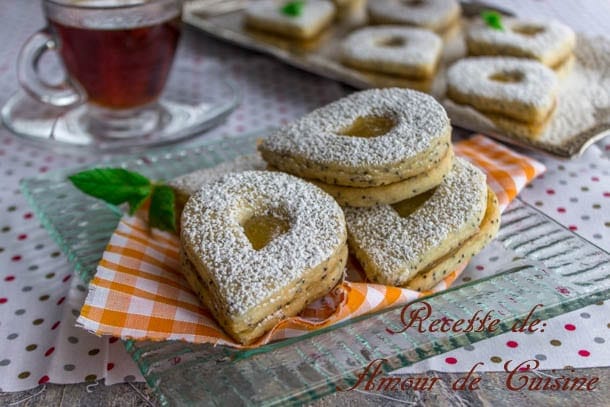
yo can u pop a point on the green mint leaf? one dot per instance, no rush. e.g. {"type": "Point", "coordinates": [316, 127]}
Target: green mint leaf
{"type": "Point", "coordinates": [493, 19]}
{"type": "Point", "coordinates": [293, 8]}
{"type": "Point", "coordinates": [114, 185]}
{"type": "Point", "coordinates": [161, 213]}
{"type": "Point", "coordinates": [137, 200]}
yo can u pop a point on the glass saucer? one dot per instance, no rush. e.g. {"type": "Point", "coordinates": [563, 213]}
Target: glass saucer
{"type": "Point", "coordinates": [195, 99]}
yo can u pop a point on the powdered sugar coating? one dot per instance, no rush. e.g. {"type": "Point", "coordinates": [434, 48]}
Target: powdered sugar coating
{"type": "Point", "coordinates": [312, 13]}
{"type": "Point", "coordinates": [395, 244]}
{"type": "Point", "coordinates": [555, 37]}
{"type": "Point", "coordinates": [432, 14]}
{"type": "Point", "coordinates": [244, 277]}
{"type": "Point", "coordinates": [192, 182]}
{"type": "Point", "coordinates": [420, 121]}
{"type": "Point", "coordinates": [421, 47]}
{"type": "Point", "coordinates": [537, 87]}
{"type": "Point", "coordinates": [580, 106]}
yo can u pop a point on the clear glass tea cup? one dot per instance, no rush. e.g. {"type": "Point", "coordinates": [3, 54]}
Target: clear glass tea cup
{"type": "Point", "coordinates": [117, 55]}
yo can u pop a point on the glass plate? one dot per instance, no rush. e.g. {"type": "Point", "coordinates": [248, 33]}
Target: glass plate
{"type": "Point", "coordinates": [541, 263]}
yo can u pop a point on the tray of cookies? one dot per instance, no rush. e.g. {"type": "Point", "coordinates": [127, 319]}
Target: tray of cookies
{"type": "Point", "coordinates": [414, 45]}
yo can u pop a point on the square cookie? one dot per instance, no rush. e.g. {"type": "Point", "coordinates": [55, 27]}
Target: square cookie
{"type": "Point", "coordinates": [300, 20]}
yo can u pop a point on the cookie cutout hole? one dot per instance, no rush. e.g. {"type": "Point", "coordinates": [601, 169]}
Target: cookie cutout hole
{"type": "Point", "coordinates": [262, 229]}
{"type": "Point", "coordinates": [528, 29]}
{"type": "Point", "coordinates": [414, 3]}
{"type": "Point", "coordinates": [408, 206]}
{"type": "Point", "coordinates": [368, 126]}
{"type": "Point", "coordinates": [392, 42]}
{"type": "Point", "coordinates": [507, 77]}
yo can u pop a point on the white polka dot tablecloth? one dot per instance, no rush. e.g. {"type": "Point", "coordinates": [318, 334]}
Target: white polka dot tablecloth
{"type": "Point", "coordinates": [40, 296]}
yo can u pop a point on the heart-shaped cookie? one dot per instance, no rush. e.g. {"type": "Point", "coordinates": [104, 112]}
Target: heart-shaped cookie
{"type": "Point", "coordinates": [435, 15]}
{"type": "Point", "coordinates": [549, 42]}
{"type": "Point", "coordinates": [404, 51]}
{"type": "Point", "coordinates": [488, 229]}
{"type": "Point", "coordinates": [367, 139]}
{"type": "Point", "coordinates": [394, 243]}
{"type": "Point", "coordinates": [515, 88]}
{"type": "Point", "coordinates": [258, 246]}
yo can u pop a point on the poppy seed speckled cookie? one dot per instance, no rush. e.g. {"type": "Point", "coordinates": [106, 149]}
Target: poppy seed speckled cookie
{"type": "Point", "coordinates": [549, 42]}
{"type": "Point", "coordinates": [258, 246]}
{"type": "Point", "coordinates": [395, 243]}
{"type": "Point", "coordinates": [515, 88]}
{"type": "Point", "coordinates": [428, 278]}
{"type": "Point", "coordinates": [188, 184]}
{"type": "Point", "coordinates": [395, 50]}
{"type": "Point", "coordinates": [370, 138]}
{"type": "Point", "coordinates": [387, 194]}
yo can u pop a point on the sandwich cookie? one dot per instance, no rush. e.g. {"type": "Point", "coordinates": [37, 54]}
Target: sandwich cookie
{"type": "Point", "coordinates": [548, 42]}
{"type": "Point", "coordinates": [424, 234]}
{"type": "Point", "coordinates": [272, 16]}
{"type": "Point", "coordinates": [188, 184]}
{"type": "Point", "coordinates": [394, 50]}
{"type": "Point", "coordinates": [258, 246]}
{"type": "Point", "coordinates": [434, 15]}
{"type": "Point", "coordinates": [369, 139]}
{"type": "Point", "coordinates": [517, 94]}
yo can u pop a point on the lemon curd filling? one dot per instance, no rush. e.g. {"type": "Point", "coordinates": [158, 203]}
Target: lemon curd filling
{"type": "Point", "coordinates": [368, 126]}
{"type": "Point", "coordinates": [507, 77]}
{"type": "Point", "coordinates": [408, 206]}
{"type": "Point", "coordinates": [262, 229]}
{"type": "Point", "coordinates": [393, 41]}
{"type": "Point", "coordinates": [527, 29]}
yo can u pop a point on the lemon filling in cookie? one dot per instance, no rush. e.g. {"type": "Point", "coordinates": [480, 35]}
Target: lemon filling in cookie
{"type": "Point", "coordinates": [395, 50]}
{"type": "Point", "coordinates": [395, 243]}
{"type": "Point", "coordinates": [258, 246]}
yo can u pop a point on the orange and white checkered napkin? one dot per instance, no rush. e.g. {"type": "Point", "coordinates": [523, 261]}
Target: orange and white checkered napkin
{"type": "Point", "coordinates": [139, 293]}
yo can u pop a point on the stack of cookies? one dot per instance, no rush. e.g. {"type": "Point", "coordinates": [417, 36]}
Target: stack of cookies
{"type": "Point", "coordinates": [512, 78]}
{"type": "Point", "coordinates": [258, 246]}
{"type": "Point", "coordinates": [413, 211]}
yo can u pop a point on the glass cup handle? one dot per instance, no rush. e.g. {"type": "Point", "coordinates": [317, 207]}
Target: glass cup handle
{"type": "Point", "coordinates": [62, 94]}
